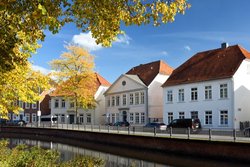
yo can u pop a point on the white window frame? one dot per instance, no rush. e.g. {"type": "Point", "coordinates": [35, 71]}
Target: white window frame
{"type": "Point", "coordinates": [63, 103]}
{"type": "Point", "coordinates": [113, 101]}
{"type": "Point", "coordinates": [181, 95]}
{"type": "Point", "coordinates": [88, 118]}
{"type": "Point", "coordinates": [142, 96]}
{"type": "Point", "coordinates": [142, 118]}
{"type": "Point", "coordinates": [181, 115]}
{"type": "Point", "coordinates": [208, 92]}
{"type": "Point", "coordinates": [194, 114]}
{"type": "Point", "coordinates": [137, 98]}
{"type": "Point", "coordinates": [131, 117]}
{"type": "Point", "coordinates": [27, 117]}
{"type": "Point", "coordinates": [137, 118]}
{"type": "Point", "coordinates": [27, 105]}
{"type": "Point", "coordinates": [20, 104]}
{"type": "Point", "coordinates": [194, 94]}
{"type": "Point", "coordinates": [224, 117]}
{"type": "Point", "coordinates": [208, 117]}
{"type": "Point", "coordinates": [223, 91]}
{"type": "Point", "coordinates": [124, 99]}
{"type": "Point", "coordinates": [117, 100]}
{"type": "Point", "coordinates": [34, 119]}
{"type": "Point", "coordinates": [169, 96]}
{"type": "Point", "coordinates": [56, 103]}
{"type": "Point", "coordinates": [170, 117]}
{"type": "Point", "coordinates": [34, 106]}
{"type": "Point", "coordinates": [131, 98]}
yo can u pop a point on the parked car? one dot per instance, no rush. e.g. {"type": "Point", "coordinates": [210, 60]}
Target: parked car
{"type": "Point", "coordinates": [158, 125]}
{"type": "Point", "coordinates": [15, 123]}
{"type": "Point", "coordinates": [193, 124]}
{"type": "Point", "coordinates": [121, 123]}
{"type": "Point", "coordinates": [22, 123]}
{"type": "Point", "coordinates": [246, 132]}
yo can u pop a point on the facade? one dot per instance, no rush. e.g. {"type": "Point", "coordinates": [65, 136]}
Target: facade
{"type": "Point", "coordinates": [64, 109]}
{"type": "Point", "coordinates": [136, 96]}
{"type": "Point", "coordinates": [29, 113]}
{"type": "Point", "coordinates": [212, 86]}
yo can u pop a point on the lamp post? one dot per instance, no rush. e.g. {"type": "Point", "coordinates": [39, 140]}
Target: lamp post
{"type": "Point", "coordinates": [67, 120]}
{"type": "Point", "coordinates": [39, 117]}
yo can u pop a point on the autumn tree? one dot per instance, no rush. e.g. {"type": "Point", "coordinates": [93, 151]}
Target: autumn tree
{"type": "Point", "coordinates": [22, 21]}
{"type": "Point", "coordinates": [20, 84]}
{"type": "Point", "coordinates": [76, 77]}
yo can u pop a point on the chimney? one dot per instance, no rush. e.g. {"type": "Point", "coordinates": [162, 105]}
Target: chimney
{"type": "Point", "coordinates": [224, 45]}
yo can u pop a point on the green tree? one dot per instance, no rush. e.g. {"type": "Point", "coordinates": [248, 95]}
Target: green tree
{"type": "Point", "coordinates": [22, 22]}
{"type": "Point", "coordinates": [76, 77]}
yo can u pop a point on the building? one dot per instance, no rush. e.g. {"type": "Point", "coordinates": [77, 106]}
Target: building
{"type": "Point", "coordinates": [64, 109]}
{"type": "Point", "coordinates": [213, 86]}
{"type": "Point", "coordinates": [136, 96]}
{"type": "Point", "coordinates": [29, 112]}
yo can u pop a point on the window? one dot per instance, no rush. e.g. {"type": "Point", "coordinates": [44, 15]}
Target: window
{"type": "Point", "coordinates": [72, 104]}
{"type": "Point", "coordinates": [142, 98]}
{"type": "Point", "coordinates": [88, 118]}
{"type": "Point", "coordinates": [56, 103]}
{"type": "Point", "coordinates": [194, 114]}
{"type": "Point", "coordinates": [63, 118]}
{"type": "Point", "coordinates": [33, 117]}
{"type": "Point", "coordinates": [20, 103]}
{"type": "Point", "coordinates": [27, 116]}
{"type": "Point", "coordinates": [208, 92]}
{"type": "Point", "coordinates": [113, 100]}
{"type": "Point", "coordinates": [208, 118]}
{"type": "Point", "coordinates": [142, 117]}
{"type": "Point", "coordinates": [124, 99]}
{"type": "Point", "coordinates": [117, 100]}
{"type": "Point", "coordinates": [223, 91]}
{"type": "Point", "coordinates": [131, 117]}
{"type": "Point", "coordinates": [137, 118]}
{"type": "Point", "coordinates": [131, 98]}
{"type": "Point", "coordinates": [34, 106]}
{"type": "Point", "coordinates": [108, 102]}
{"type": "Point", "coordinates": [137, 98]}
{"type": "Point", "coordinates": [113, 118]}
{"type": "Point", "coordinates": [117, 116]}
{"type": "Point", "coordinates": [194, 94]}
{"type": "Point", "coordinates": [181, 115]}
{"type": "Point", "coordinates": [27, 105]}
{"type": "Point", "coordinates": [63, 103]}
{"type": "Point", "coordinates": [81, 119]}
{"type": "Point", "coordinates": [169, 96]}
{"type": "Point", "coordinates": [181, 95]}
{"type": "Point", "coordinates": [224, 117]}
{"type": "Point", "coordinates": [170, 117]}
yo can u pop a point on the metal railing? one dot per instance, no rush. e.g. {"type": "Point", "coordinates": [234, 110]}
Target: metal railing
{"type": "Point", "coordinates": [200, 134]}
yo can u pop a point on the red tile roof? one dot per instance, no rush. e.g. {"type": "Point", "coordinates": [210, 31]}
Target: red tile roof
{"type": "Point", "coordinates": [102, 81]}
{"type": "Point", "coordinates": [147, 72]}
{"type": "Point", "coordinates": [209, 65]}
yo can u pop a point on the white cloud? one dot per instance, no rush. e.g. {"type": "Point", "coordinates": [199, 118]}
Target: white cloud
{"type": "Point", "coordinates": [87, 41]}
{"type": "Point", "coordinates": [187, 48]}
{"type": "Point", "coordinates": [41, 69]}
{"type": "Point", "coordinates": [123, 39]}
{"type": "Point", "coordinates": [164, 53]}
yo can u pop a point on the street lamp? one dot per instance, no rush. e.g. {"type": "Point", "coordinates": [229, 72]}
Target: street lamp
{"type": "Point", "coordinates": [39, 117]}
{"type": "Point", "coordinates": [67, 120]}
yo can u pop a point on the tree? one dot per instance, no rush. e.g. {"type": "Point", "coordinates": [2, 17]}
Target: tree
{"type": "Point", "coordinates": [76, 77]}
{"type": "Point", "coordinates": [22, 22]}
{"type": "Point", "coordinates": [20, 84]}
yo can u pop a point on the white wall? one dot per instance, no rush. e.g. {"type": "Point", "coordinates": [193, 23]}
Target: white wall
{"type": "Point", "coordinates": [242, 93]}
{"type": "Point", "coordinates": [201, 105]}
{"type": "Point", "coordinates": [155, 97]}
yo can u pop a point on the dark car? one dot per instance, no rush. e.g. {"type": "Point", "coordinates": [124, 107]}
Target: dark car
{"type": "Point", "coordinates": [121, 123]}
{"type": "Point", "coordinates": [15, 123]}
{"type": "Point", "coordinates": [159, 125]}
{"type": "Point", "coordinates": [193, 124]}
{"type": "Point", "coordinates": [246, 132]}
{"type": "Point", "coordinates": [22, 123]}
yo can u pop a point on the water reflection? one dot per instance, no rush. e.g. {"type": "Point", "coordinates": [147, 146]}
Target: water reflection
{"type": "Point", "coordinates": [69, 152]}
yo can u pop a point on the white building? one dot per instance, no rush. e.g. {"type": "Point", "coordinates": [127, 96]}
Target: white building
{"type": "Point", "coordinates": [64, 109]}
{"type": "Point", "coordinates": [213, 86]}
{"type": "Point", "coordinates": [136, 96]}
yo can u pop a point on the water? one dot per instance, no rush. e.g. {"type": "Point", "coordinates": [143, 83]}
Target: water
{"type": "Point", "coordinates": [111, 160]}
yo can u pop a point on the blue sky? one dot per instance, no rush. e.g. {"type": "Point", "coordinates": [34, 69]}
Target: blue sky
{"type": "Point", "coordinates": [204, 26]}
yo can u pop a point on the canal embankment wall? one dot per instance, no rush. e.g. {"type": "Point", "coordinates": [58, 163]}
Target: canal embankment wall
{"type": "Point", "coordinates": [218, 150]}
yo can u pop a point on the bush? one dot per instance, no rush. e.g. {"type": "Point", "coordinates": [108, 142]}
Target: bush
{"type": "Point", "coordinates": [24, 156]}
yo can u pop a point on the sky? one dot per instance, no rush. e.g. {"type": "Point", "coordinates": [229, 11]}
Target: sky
{"type": "Point", "coordinates": [206, 25]}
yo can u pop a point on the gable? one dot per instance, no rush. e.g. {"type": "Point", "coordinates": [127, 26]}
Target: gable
{"type": "Point", "coordinates": [126, 83]}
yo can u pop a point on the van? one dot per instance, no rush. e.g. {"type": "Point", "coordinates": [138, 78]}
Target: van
{"type": "Point", "coordinates": [193, 124]}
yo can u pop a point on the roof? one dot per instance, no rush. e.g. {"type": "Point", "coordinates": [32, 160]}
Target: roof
{"type": "Point", "coordinates": [147, 72]}
{"type": "Point", "coordinates": [100, 81]}
{"type": "Point", "coordinates": [135, 78]}
{"type": "Point", "coordinates": [209, 65]}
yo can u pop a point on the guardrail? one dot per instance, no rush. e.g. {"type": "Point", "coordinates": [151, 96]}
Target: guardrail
{"type": "Point", "coordinates": [202, 134]}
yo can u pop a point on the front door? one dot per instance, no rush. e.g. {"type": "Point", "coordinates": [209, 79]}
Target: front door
{"type": "Point", "coordinates": [124, 116]}
{"type": "Point", "coordinates": [71, 118]}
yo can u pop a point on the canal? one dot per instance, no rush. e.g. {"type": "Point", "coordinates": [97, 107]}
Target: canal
{"type": "Point", "coordinates": [117, 160]}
